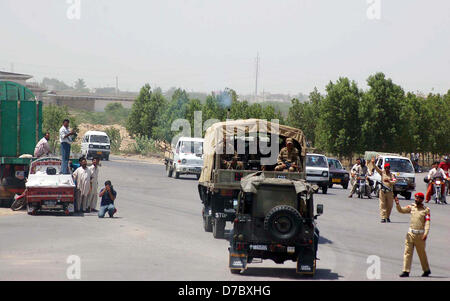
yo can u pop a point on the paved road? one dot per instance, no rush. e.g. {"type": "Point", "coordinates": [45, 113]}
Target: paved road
{"type": "Point", "coordinates": [158, 235]}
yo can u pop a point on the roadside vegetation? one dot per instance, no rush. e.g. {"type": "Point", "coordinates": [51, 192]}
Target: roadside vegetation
{"type": "Point", "coordinates": [343, 122]}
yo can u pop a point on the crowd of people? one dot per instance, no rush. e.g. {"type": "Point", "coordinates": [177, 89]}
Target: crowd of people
{"type": "Point", "coordinates": [85, 178]}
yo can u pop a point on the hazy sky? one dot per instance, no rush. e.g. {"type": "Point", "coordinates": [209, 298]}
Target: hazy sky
{"type": "Point", "coordinates": [206, 45]}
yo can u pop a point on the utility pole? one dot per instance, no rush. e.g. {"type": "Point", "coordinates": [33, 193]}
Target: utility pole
{"type": "Point", "coordinates": [257, 73]}
{"type": "Point", "coordinates": [117, 85]}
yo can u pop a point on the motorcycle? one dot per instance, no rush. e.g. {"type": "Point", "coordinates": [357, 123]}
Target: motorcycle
{"type": "Point", "coordinates": [438, 196]}
{"type": "Point", "coordinates": [362, 187]}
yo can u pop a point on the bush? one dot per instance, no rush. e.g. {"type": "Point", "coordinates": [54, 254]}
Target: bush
{"type": "Point", "coordinates": [115, 139]}
{"type": "Point", "coordinates": [145, 146]}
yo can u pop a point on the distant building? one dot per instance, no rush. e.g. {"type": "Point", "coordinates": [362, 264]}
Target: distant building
{"type": "Point", "coordinates": [22, 79]}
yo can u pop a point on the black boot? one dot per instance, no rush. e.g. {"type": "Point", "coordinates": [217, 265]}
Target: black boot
{"type": "Point", "coordinates": [404, 274]}
{"type": "Point", "coordinates": [388, 220]}
{"type": "Point", "coordinates": [426, 273]}
{"type": "Point", "coordinates": [383, 220]}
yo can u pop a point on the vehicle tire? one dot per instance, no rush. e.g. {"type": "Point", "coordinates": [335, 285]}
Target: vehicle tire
{"type": "Point", "coordinates": [345, 186]}
{"type": "Point", "coordinates": [169, 170]}
{"type": "Point", "coordinates": [218, 228]}
{"type": "Point", "coordinates": [197, 177]}
{"type": "Point", "coordinates": [107, 158]}
{"type": "Point", "coordinates": [324, 189]}
{"type": "Point", "coordinates": [407, 195]}
{"type": "Point", "coordinates": [207, 226]}
{"type": "Point", "coordinates": [330, 185]}
{"type": "Point", "coordinates": [283, 223]}
{"type": "Point", "coordinates": [176, 175]}
{"type": "Point", "coordinates": [235, 271]}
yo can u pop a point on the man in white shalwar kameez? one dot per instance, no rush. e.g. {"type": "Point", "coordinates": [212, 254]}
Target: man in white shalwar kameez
{"type": "Point", "coordinates": [92, 200]}
{"type": "Point", "coordinates": [82, 177]}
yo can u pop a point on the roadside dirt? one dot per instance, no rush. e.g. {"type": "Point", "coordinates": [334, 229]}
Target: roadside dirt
{"type": "Point", "coordinates": [8, 211]}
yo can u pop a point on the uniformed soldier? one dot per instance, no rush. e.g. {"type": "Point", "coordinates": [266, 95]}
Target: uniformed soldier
{"type": "Point", "coordinates": [386, 196]}
{"type": "Point", "coordinates": [417, 235]}
{"type": "Point", "coordinates": [288, 154]}
{"type": "Point", "coordinates": [234, 163]}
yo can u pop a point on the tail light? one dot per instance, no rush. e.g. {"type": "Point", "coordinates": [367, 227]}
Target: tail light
{"type": "Point", "coordinates": [226, 192]}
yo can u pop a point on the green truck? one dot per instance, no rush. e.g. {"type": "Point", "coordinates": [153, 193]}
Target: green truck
{"type": "Point", "coordinates": [20, 130]}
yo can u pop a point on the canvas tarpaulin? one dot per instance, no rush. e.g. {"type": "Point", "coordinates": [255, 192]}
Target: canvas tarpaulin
{"type": "Point", "coordinates": [251, 182]}
{"type": "Point", "coordinates": [218, 131]}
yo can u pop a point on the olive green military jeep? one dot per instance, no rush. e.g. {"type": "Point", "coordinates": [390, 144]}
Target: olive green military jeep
{"type": "Point", "coordinates": [219, 185]}
{"type": "Point", "coordinates": [274, 220]}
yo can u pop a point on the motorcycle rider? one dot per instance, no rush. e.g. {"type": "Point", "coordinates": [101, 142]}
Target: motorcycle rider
{"type": "Point", "coordinates": [436, 172]}
{"type": "Point", "coordinates": [358, 169]}
{"type": "Point", "coordinates": [445, 165]}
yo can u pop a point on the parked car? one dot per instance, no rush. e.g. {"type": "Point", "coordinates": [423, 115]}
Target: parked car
{"type": "Point", "coordinates": [96, 144]}
{"type": "Point", "coordinates": [317, 171]}
{"type": "Point", "coordinates": [338, 175]}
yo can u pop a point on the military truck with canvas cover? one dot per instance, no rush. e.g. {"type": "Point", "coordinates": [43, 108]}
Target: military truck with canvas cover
{"type": "Point", "coordinates": [275, 220]}
{"type": "Point", "coordinates": [250, 145]}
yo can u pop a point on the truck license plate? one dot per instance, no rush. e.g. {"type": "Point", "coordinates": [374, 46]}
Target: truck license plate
{"type": "Point", "coordinates": [336, 180]}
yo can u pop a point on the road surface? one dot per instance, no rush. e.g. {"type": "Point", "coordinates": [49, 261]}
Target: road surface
{"type": "Point", "coordinates": [158, 235]}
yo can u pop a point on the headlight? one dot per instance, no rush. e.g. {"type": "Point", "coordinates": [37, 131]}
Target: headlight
{"type": "Point", "coordinates": [325, 174]}
{"type": "Point", "coordinates": [107, 147]}
{"type": "Point", "coordinates": [91, 146]}
{"type": "Point", "coordinates": [183, 161]}
{"type": "Point", "coordinates": [412, 180]}
{"type": "Point", "coordinates": [346, 175]}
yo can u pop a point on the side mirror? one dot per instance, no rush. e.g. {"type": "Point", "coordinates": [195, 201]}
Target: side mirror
{"type": "Point", "coordinates": [319, 209]}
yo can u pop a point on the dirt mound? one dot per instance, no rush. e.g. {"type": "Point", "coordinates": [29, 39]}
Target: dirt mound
{"type": "Point", "coordinates": [126, 138]}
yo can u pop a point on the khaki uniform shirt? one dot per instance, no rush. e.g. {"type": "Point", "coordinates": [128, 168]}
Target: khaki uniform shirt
{"type": "Point", "coordinates": [385, 176]}
{"type": "Point", "coordinates": [420, 216]}
{"type": "Point", "coordinates": [285, 155]}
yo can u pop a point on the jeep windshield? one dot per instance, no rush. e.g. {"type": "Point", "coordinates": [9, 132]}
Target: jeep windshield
{"type": "Point", "coordinates": [192, 147]}
{"type": "Point", "coordinates": [400, 165]}
{"type": "Point", "coordinates": [316, 161]}
{"type": "Point", "coordinates": [99, 139]}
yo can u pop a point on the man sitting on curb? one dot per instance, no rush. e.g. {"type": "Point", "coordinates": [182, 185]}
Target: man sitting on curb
{"type": "Point", "coordinates": [108, 195]}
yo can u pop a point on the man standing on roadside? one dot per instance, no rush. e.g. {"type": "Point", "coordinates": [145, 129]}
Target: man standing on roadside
{"type": "Point", "coordinates": [417, 235]}
{"type": "Point", "coordinates": [65, 138]}
{"type": "Point", "coordinates": [92, 200]}
{"type": "Point", "coordinates": [42, 148]}
{"type": "Point", "coordinates": [82, 177]}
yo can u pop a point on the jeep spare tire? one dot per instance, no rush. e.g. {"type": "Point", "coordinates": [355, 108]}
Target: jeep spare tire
{"type": "Point", "coordinates": [283, 222]}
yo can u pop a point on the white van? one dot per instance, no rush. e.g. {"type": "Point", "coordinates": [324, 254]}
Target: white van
{"type": "Point", "coordinates": [402, 169]}
{"type": "Point", "coordinates": [186, 158]}
{"type": "Point", "coordinates": [317, 171]}
{"type": "Point", "coordinates": [95, 144]}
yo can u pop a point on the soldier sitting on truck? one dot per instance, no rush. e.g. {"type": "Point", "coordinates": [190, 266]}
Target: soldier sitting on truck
{"type": "Point", "coordinates": [287, 157]}
{"type": "Point", "coordinates": [234, 163]}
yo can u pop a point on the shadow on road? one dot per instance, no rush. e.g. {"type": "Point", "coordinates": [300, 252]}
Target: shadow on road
{"type": "Point", "coordinates": [323, 240]}
{"type": "Point", "coordinates": [290, 273]}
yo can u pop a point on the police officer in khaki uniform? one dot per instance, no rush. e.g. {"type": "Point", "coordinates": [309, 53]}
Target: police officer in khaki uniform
{"type": "Point", "coordinates": [417, 235]}
{"type": "Point", "coordinates": [386, 196]}
{"type": "Point", "coordinates": [288, 154]}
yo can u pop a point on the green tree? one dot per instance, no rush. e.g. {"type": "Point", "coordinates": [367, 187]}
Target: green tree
{"type": "Point", "coordinates": [115, 138]}
{"type": "Point", "coordinates": [145, 112]}
{"type": "Point", "coordinates": [338, 130]}
{"type": "Point", "coordinates": [379, 111]}
{"type": "Point", "coordinates": [305, 115]}
{"type": "Point", "coordinates": [80, 85]}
